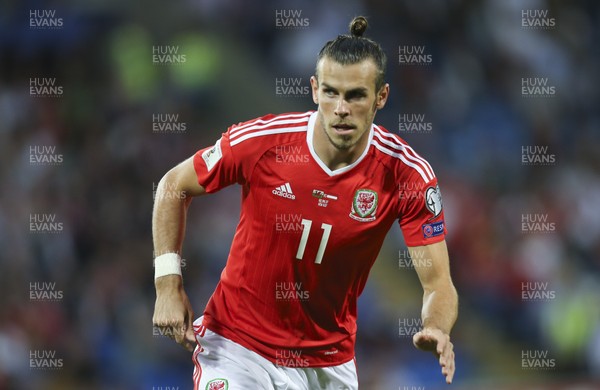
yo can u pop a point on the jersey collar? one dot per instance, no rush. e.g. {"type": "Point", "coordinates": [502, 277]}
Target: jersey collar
{"type": "Point", "coordinates": [309, 140]}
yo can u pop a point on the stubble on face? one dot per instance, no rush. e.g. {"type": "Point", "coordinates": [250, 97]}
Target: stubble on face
{"type": "Point", "coordinates": [346, 127]}
{"type": "Point", "coordinates": [344, 143]}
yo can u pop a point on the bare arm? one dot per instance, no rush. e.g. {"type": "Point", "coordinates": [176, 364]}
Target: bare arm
{"type": "Point", "coordinates": [440, 304]}
{"type": "Point", "coordinates": [173, 196]}
{"type": "Point", "coordinates": [173, 313]}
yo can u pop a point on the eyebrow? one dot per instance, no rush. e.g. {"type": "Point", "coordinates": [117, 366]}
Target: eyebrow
{"type": "Point", "coordinates": [350, 91]}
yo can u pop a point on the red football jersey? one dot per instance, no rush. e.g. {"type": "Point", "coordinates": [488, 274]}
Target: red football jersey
{"type": "Point", "coordinates": [307, 235]}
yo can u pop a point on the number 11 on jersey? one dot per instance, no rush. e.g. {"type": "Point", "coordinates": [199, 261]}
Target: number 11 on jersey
{"type": "Point", "coordinates": [306, 224]}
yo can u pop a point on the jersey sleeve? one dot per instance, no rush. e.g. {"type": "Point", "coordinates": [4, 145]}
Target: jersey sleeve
{"type": "Point", "coordinates": [230, 160]}
{"type": "Point", "coordinates": [421, 216]}
{"type": "Point", "coordinates": [216, 166]}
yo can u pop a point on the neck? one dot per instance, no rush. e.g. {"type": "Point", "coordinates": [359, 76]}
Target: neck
{"type": "Point", "coordinates": [333, 157]}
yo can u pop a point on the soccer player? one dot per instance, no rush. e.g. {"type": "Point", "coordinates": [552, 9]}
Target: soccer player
{"type": "Point", "coordinates": [283, 315]}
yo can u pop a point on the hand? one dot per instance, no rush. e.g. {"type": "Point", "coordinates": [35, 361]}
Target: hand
{"type": "Point", "coordinates": [438, 342]}
{"type": "Point", "coordinates": [173, 312]}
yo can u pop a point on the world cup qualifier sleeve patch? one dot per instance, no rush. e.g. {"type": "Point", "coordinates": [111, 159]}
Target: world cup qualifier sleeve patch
{"type": "Point", "coordinates": [433, 229]}
{"type": "Point", "coordinates": [212, 156]}
{"type": "Point", "coordinates": [433, 200]}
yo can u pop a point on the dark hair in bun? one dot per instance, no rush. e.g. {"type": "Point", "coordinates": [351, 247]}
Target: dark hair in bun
{"type": "Point", "coordinates": [354, 48]}
{"type": "Point", "coordinates": [358, 26]}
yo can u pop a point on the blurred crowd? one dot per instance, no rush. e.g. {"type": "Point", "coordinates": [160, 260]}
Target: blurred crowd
{"type": "Point", "coordinates": [99, 193]}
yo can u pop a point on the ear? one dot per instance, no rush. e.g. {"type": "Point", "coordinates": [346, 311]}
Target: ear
{"type": "Point", "coordinates": [382, 96]}
{"type": "Point", "coordinates": [314, 84]}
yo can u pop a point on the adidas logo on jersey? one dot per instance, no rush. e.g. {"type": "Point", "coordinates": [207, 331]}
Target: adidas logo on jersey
{"type": "Point", "coordinates": [284, 191]}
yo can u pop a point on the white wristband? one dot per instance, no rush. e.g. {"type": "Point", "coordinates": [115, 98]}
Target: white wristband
{"type": "Point", "coordinates": [167, 264]}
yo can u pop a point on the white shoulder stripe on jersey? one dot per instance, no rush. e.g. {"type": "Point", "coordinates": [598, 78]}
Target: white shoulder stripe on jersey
{"type": "Point", "coordinates": [406, 149]}
{"type": "Point", "coordinates": [267, 132]}
{"type": "Point", "coordinates": [272, 121]}
{"type": "Point", "coordinates": [294, 118]}
{"type": "Point", "coordinates": [419, 169]}
{"type": "Point", "coordinates": [237, 132]}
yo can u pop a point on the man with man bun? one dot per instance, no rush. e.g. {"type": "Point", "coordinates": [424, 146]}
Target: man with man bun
{"type": "Point", "coordinates": [283, 315]}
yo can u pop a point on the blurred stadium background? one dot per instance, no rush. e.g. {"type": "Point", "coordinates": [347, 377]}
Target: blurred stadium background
{"type": "Point", "coordinates": [78, 296]}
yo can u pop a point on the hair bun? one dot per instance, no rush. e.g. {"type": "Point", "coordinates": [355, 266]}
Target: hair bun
{"type": "Point", "coordinates": [358, 25]}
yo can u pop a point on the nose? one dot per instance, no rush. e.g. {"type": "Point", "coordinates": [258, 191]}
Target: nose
{"type": "Point", "coordinates": [341, 108]}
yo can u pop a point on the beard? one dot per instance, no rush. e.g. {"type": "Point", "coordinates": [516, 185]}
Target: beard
{"type": "Point", "coordinates": [343, 142]}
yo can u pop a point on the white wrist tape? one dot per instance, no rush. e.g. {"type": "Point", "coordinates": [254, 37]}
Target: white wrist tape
{"type": "Point", "coordinates": [167, 264]}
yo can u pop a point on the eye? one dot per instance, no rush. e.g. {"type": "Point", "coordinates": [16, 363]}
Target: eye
{"type": "Point", "coordinates": [356, 95]}
{"type": "Point", "coordinates": [329, 92]}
